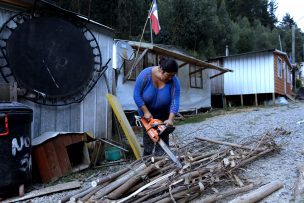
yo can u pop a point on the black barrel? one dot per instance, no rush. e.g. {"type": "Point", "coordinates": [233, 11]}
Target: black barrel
{"type": "Point", "coordinates": [15, 147]}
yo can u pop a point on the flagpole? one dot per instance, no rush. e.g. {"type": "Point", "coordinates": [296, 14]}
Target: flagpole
{"type": "Point", "coordinates": [142, 34]}
{"type": "Point", "coordinates": [151, 31]}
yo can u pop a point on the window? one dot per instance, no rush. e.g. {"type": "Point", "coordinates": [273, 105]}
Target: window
{"type": "Point", "coordinates": [280, 68]}
{"type": "Point", "coordinates": [288, 76]}
{"type": "Point", "coordinates": [196, 77]}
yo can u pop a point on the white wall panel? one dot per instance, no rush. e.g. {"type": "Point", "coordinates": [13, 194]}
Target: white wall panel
{"type": "Point", "coordinates": [251, 74]}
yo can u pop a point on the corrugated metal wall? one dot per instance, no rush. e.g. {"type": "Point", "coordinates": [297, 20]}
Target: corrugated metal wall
{"type": "Point", "coordinates": [92, 115]}
{"type": "Point", "coordinates": [217, 83]}
{"type": "Point", "coordinates": [252, 74]}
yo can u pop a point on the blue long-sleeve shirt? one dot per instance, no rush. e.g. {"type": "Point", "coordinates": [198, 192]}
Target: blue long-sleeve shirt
{"type": "Point", "coordinates": [159, 101]}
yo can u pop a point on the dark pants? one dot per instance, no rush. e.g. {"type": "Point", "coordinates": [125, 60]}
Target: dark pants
{"type": "Point", "coordinates": [149, 145]}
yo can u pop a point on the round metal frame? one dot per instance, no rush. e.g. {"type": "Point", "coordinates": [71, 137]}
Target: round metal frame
{"type": "Point", "coordinates": [40, 97]}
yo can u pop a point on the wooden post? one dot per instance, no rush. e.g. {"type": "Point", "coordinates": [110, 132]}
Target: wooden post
{"type": "Point", "coordinates": [242, 101]}
{"type": "Point", "coordinates": [256, 99]}
{"type": "Point", "coordinates": [299, 186]}
{"type": "Point", "coordinates": [273, 98]}
{"type": "Point", "coordinates": [224, 101]}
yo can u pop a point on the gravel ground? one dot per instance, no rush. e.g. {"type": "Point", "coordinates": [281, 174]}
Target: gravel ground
{"type": "Point", "coordinates": [253, 122]}
{"type": "Point", "coordinates": [238, 125]}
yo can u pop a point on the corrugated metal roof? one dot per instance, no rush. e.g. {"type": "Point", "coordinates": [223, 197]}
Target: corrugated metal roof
{"type": "Point", "coordinates": [177, 55]}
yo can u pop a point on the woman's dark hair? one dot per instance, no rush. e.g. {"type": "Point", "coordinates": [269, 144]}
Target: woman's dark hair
{"type": "Point", "coordinates": [168, 65]}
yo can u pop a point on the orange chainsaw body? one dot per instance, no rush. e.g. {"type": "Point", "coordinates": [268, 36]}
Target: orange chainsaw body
{"type": "Point", "coordinates": [155, 128]}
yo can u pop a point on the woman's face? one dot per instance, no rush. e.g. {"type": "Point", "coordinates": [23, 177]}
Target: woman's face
{"type": "Point", "coordinates": [166, 77]}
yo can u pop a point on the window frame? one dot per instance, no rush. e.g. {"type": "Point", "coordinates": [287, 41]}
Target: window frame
{"type": "Point", "coordinates": [196, 73]}
{"type": "Point", "coordinates": [280, 67]}
{"type": "Point", "coordinates": [289, 75]}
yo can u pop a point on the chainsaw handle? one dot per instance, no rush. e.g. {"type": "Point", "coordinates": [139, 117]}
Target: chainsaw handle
{"type": "Point", "coordinates": [153, 134]}
{"type": "Point", "coordinates": [154, 125]}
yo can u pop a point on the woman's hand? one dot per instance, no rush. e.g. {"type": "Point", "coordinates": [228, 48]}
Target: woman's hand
{"type": "Point", "coordinates": [148, 116]}
{"type": "Point", "coordinates": [168, 122]}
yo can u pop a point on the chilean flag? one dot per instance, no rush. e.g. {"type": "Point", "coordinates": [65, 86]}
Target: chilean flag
{"type": "Point", "coordinates": [154, 18]}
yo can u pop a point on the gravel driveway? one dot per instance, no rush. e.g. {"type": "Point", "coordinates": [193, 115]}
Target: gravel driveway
{"type": "Point", "coordinates": [234, 127]}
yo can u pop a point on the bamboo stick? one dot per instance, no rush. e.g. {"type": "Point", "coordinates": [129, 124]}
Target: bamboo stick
{"type": "Point", "coordinates": [109, 177]}
{"type": "Point", "coordinates": [154, 192]}
{"type": "Point", "coordinates": [231, 144]}
{"type": "Point", "coordinates": [259, 194]}
{"type": "Point", "coordinates": [87, 196]}
{"type": "Point", "coordinates": [67, 198]}
{"type": "Point", "coordinates": [215, 197]}
{"type": "Point", "coordinates": [299, 186]}
{"type": "Point", "coordinates": [112, 186]}
{"type": "Point", "coordinates": [81, 194]}
{"type": "Point", "coordinates": [146, 186]}
{"type": "Point", "coordinates": [132, 181]}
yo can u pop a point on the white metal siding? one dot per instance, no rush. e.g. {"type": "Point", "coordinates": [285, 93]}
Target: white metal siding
{"type": "Point", "coordinates": [92, 115]}
{"type": "Point", "coordinates": [252, 74]}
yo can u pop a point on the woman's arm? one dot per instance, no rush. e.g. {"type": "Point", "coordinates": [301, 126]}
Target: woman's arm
{"type": "Point", "coordinates": [174, 106]}
{"type": "Point", "coordinates": [141, 82]}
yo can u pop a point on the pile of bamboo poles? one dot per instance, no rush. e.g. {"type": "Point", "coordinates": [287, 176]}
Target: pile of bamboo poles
{"type": "Point", "coordinates": [157, 179]}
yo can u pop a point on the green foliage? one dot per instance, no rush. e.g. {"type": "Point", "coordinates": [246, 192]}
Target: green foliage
{"type": "Point", "coordinates": [203, 27]}
{"type": "Point", "coordinates": [298, 83]}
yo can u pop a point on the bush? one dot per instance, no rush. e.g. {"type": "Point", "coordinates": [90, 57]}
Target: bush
{"type": "Point", "coordinates": [298, 83]}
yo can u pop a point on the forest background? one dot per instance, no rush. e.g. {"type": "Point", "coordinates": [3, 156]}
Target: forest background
{"type": "Point", "coordinates": [202, 28]}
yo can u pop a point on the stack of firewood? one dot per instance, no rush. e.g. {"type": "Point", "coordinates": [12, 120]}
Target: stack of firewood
{"type": "Point", "coordinates": [157, 179]}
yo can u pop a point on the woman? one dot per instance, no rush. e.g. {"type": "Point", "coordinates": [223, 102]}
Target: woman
{"type": "Point", "coordinates": [156, 95]}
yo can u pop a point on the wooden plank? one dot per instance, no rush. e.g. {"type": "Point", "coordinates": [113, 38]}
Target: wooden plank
{"type": "Point", "coordinates": [52, 158]}
{"type": "Point", "coordinates": [290, 97]}
{"type": "Point", "coordinates": [135, 64]}
{"type": "Point", "coordinates": [76, 138]}
{"type": "Point", "coordinates": [66, 140]}
{"type": "Point", "coordinates": [256, 99]}
{"type": "Point", "coordinates": [127, 129]}
{"type": "Point", "coordinates": [299, 186]}
{"type": "Point", "coordinates": [63, 158]}
{"type": "Point", "coordinates": [42, 162]}
{"type": "Point", "coordinates": [46, 191]}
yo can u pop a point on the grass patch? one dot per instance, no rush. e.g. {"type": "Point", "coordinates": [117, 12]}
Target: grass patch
{"type": "Point", "coordinates": [214, 112]}
{"type": "Point", "coordinates": [193, 119]}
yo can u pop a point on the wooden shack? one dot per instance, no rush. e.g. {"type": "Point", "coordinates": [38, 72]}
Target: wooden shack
{"type": "Point", "coordinates": [257, 76]}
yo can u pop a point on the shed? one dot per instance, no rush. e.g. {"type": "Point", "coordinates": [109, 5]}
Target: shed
{"type": "Point", "coordinates": [92, 114]}
{"type": "Point", "coordinates": [257, 76]}
{"type": "Point", "coordinates": [59, 153]}
{"type": "Point", "coordinates": [194, 75]}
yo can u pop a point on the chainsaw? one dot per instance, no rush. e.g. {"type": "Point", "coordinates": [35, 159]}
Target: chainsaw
{"type": "Point", "coordinates": [155, 128]}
